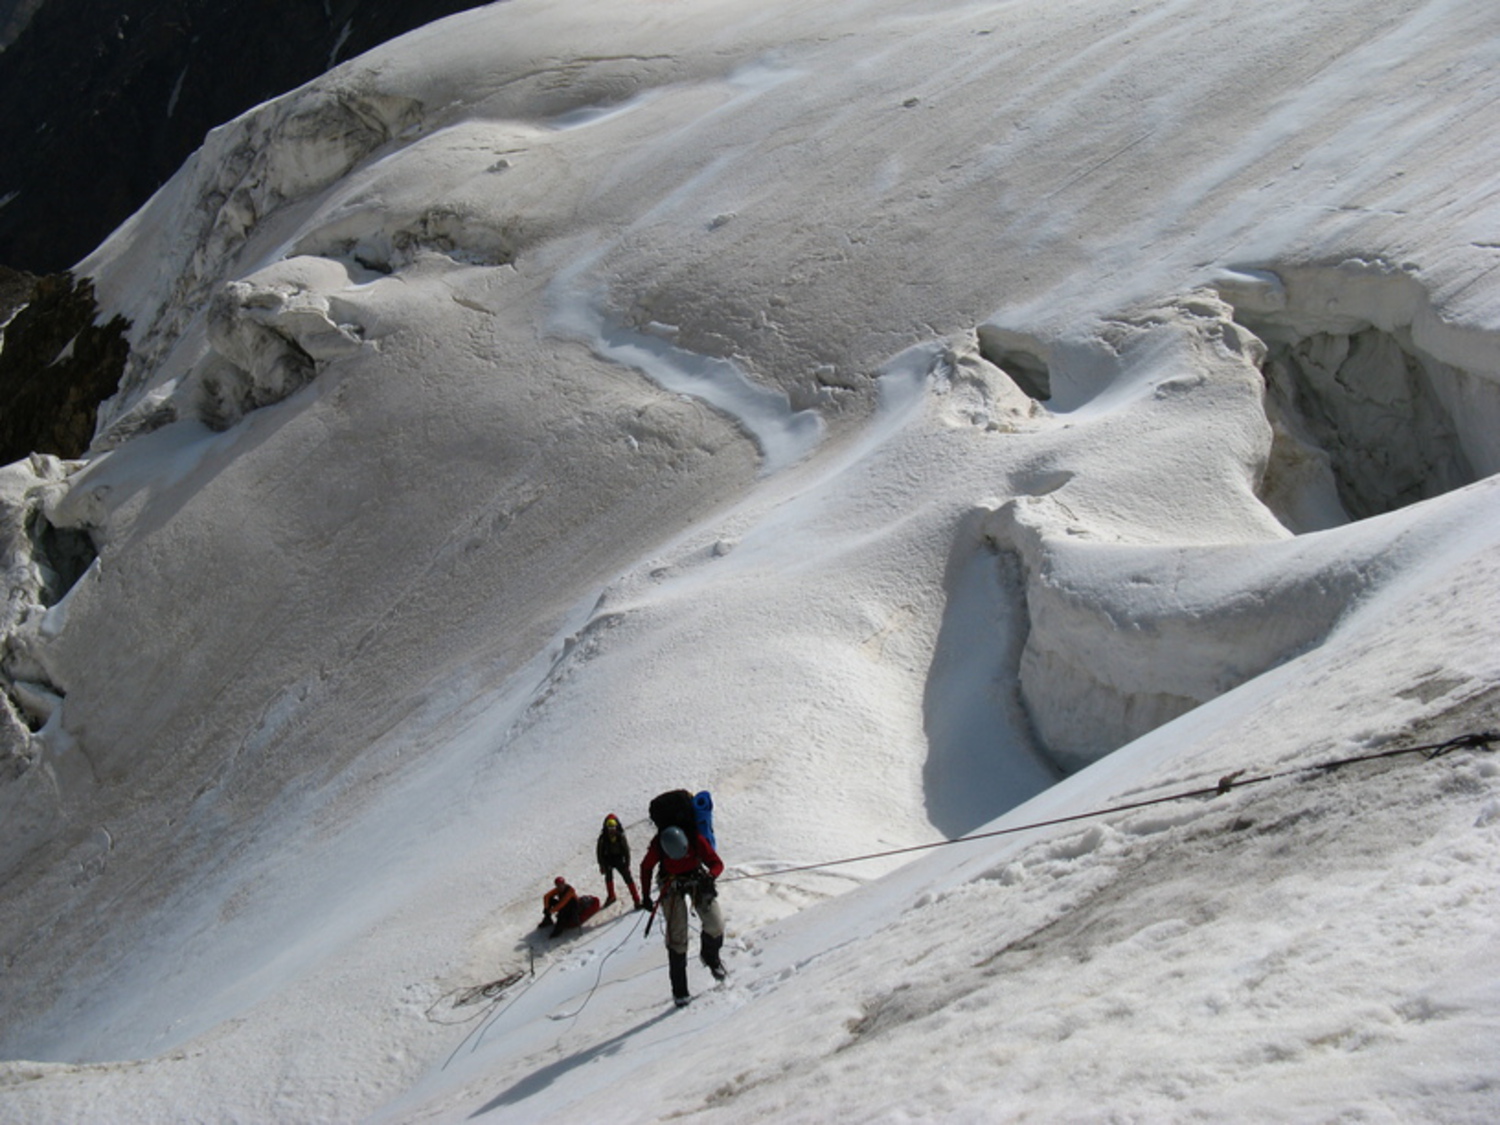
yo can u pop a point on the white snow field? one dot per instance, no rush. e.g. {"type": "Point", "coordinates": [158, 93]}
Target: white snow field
{"type": "Point", "coordinates": [904, 420]}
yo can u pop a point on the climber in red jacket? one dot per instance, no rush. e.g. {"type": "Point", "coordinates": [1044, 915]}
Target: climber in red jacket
{"type": "Point", "coordinates": [689, 867]}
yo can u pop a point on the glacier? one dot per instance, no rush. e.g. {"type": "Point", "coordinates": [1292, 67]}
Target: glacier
{"type": "Point", "coordinates": [903, 420]}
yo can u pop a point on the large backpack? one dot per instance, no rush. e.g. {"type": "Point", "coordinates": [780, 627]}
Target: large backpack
{"type": "Point", "coordinates": [677, 808]}
{"type": "Point", "coordinates": [674, 809]}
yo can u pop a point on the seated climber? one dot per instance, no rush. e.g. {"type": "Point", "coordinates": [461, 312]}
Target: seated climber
{"type": "Point", "coordinates": [563, 908]}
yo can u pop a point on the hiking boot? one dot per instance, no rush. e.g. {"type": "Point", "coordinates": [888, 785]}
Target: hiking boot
{"type": "Point", "coordinates": [708, 953]}
{"type": "Point", "coordinates": [677, 970]}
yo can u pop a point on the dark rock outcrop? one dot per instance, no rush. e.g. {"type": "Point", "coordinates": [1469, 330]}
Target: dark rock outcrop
{"type": "Point", "coordinates": [57, 365]}
{"type": "Point", "coordinates": [104, 99]}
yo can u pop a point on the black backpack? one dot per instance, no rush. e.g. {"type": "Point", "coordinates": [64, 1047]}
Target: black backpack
{"type": "Point", "coordinates": [674, 809]}
{"type": "Point", "coordinates": [693, 813]}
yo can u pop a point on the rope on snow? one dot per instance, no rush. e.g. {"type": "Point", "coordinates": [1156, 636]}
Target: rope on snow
{"type": "Point", "coordinates": [600, 976]}
{"type": "Point", "coordinates": [1225, 784]}
{"type": "Point", "coordinates": [1228, 782]}
{"type": "Point", "coordinates": [500, 1005]}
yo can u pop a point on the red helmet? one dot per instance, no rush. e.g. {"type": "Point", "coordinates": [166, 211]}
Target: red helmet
{"type": "Point", "coordinates": [559, 882]}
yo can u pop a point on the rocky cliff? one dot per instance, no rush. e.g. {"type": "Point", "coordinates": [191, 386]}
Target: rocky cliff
{"type": "Point", "coordinates": [106, 98]}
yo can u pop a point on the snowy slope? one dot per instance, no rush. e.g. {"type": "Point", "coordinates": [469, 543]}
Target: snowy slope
{"type": "Point", "coordinates": [870, 411]}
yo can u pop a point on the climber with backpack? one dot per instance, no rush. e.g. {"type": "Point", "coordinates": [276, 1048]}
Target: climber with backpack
{"type": "Point", "coordinates": [689, 866]}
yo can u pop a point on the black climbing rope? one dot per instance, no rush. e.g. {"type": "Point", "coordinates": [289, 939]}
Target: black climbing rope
{"type": "Point", "coordinates": [1225, 784]}
{"type": "Point", "coordinates": [599, 977]}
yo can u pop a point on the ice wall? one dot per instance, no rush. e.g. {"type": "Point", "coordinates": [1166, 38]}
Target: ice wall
{"type": "Point", "coordinates": [1364, 375]}
{"type": "Point", "coordinates": [1366, 406]}
{"type": "Point", "coordinates": [212, 217]}
{"type": "Point", "coordinates": [41, 563]}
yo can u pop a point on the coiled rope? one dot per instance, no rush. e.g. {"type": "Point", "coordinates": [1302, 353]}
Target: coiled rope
{"type": "Point", "coordinates": [503, 1003]}
{"type": "Point", "coordinates": [497, 1008]}
{"type": "Point", "coordinates": [1226, 784]}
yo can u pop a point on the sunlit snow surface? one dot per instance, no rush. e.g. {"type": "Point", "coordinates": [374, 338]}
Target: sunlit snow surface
{"type": "Point", "coordinates": [871, 412]}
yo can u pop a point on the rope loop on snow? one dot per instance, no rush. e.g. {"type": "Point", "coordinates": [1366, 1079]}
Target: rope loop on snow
{"type": "Point", "coordinates": [505, 1001]}
{"type": "Point", "coordinates": [1227, 783]}
{"type": "Point", "coordinates": [599, 977]}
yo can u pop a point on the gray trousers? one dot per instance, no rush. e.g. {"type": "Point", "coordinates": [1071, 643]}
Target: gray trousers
{"type": "Point", "coordinates": [674, 909]}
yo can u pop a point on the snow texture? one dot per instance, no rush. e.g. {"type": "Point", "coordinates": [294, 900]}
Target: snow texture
{"type": "Point", "coordinates": [903, 420]}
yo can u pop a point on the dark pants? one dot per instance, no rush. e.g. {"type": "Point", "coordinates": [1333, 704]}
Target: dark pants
{"type": "Point", "coordinates": [575, 914]}
{"type": "Point", "coordinates": [609, 883]}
